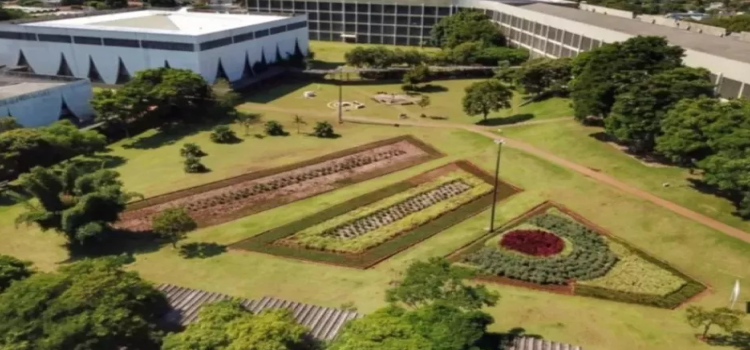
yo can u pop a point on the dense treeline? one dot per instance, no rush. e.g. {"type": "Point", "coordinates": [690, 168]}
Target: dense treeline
{"type": "Point", "coordinates": [650, 102]}
{"type": "Point", "coordinates": [466, 38]}
{"type": "Point", "coordinates": [735, 24]}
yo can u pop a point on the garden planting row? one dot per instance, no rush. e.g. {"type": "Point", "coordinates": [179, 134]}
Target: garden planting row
{"type": "Point", "coordinates": [247, 194]}
{"type": "Point", "coordinates": [550, 246]}
{"type": "Point", "coordinates": [368, 229]}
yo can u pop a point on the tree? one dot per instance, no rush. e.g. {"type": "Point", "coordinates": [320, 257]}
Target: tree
{"type": "Point", "coordinates": [12, 269]}
{"type": "Point", "coordinates": [370, 57]}
{"type": "Point", "coordinates": [191, 149]}
{"type": "Point", "coordinates": [724, 318]}
{"type": "Point", "coordinates": [486, 96]}
{"type": "Point", "coordinates": [466, 26]}
{"type": "Point", "coordinates": [299, 121]}
{"type": "Point", "coordinates": [223, 134]}
{"type": "Point", "coordinates": [79, 205]}
{"type": "Point", "coordinates": [418, 74]}
{"type": "Point", "coordinates": [426, 282]}
{"type": "Point", "coordinates": [88, 305]}
{"type": "Point", "coordinates": [602, 72]}
{"type": "Point", "coordinates": [247, 120]}
{"type": "Point", "coordinates": [324, 130]}
{"type": "Point", "coordinates": [8, 123]}
{"type": "Point", "coordinates": [112, 109]}
{"type": "Point", "coordinates": [424, 101]}
{"type": "Point", "coordinates": [693, 128]}
{"type": "Point", "coordinates": [226, 97]}
{"type": "Point", "coordinates": [274, 128]}
{"type": "Point", "coordinates": [385, 329]}
{"type": "Point", "coordinates": [448, 327]}
{"type": "Point", "coordinates": [227, 325]}
{"type": "Point", "coordinates": [173, 224]}
{"type": "Point", "coordinates": [504, 72]}
{"type": "Point", "coordinates": [544, 76]}
{"type": "Point", "coordinates": [638, 111]}
{"type": "Point", "coordinates": [735, 24]}
{"type": "Point", "coordinates": [9, 14]}
{"type": "Point", "coordinates": [193, 164]}
{"type": "Point", "coordinates": [475, 52]}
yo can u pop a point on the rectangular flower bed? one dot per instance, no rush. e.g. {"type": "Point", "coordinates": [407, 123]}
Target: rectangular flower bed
{"type": "Point", "coordinates": [370, 228]}
{"type": "Point", "coordinates": [247, 194]}
{"type": "Point", "coordinates": [590, 262]}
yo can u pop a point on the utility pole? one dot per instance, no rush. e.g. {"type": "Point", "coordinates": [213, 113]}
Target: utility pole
{"type": "Point", "coordinates": [499, 143]}
{"type": "Point", "coordinates": [341, 102]}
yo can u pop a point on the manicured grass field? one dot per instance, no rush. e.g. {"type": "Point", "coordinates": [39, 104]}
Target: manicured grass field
{"type": "Point", "coordinates": [151, 165]}
{"type": "Point", "coordinates": [576, 142]}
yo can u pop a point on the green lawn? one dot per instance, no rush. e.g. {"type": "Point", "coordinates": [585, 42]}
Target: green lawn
{"type": "Point", "coordinates": [589, 322]}
{"type": "Point", "coordinates": [577, 143]}
{"type": "Point", "coordinates": [151, 165]}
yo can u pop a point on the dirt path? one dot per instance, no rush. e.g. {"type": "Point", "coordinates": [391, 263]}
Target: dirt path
{"type": "Point", "coordinates": [603, 178]}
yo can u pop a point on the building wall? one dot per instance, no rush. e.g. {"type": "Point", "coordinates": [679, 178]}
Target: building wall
{"type": "Point", "coordinates": [44, 49]}
{"type": "Point", "coordinates": [45, 107]}
{"type": "Point", "coordinates": [410, 22]}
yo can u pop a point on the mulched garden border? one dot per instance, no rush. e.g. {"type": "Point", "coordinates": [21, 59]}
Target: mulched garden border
{"type": "Point", "coordinates": [431, 154]}
{"type": "Point", "coordinates": [263, 242]}
{"type": "Point", "coordinates": [689, 291]}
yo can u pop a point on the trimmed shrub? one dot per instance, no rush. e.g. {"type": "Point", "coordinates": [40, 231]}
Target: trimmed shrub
{"type": "Point", "coordinates": [223, 134]}
{"type": "Point", "coordinates": [191, 149]}
{"type": "Point", "coordinates": [193, 165]}
{"type": "Point", "coordinates": [324, 130]}
{"type": "Point", "coordinates": [533, 242]}
{"type": "Point", "coordinates": [274, 128]}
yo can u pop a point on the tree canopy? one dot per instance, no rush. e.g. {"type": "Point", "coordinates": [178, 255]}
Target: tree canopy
{"type": "Point", "coordinates": [12, 269]}
{"type": "Point", "coordinates": [8, 123]}
{"type": "Point", "coordinates": [25, 148]}
{"type": "Point", "coordinates": [601, 74]}
{"type": "Point", "coordinates": [425, 282]}
{"type": "Point", "coordinates": [466, 26]}
{"type": "Point", "coordinates": [173, 224]}
{"type": "Point", "coordinates": [544, 75]}
{"type": "Point", "coordinates": [227, 325]}
{"type": "Point", "coordinates": [724, 318]}
{"type": "Point", "coordinates": [487, 96]}
{"type": "Point", "coordinates": [79, 205]}
{"type": "Point", "coordinates": [88, 305]}
{"type": "Point", "coordinates": [638, 111]}
{"type": "Point", "coordinates": [735, 24]}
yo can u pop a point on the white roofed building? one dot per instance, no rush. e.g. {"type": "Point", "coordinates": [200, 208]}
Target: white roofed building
{"type": "Point", "coordinates": [111, 48]}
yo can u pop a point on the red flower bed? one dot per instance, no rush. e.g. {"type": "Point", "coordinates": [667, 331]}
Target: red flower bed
{"type": "Point", "coordinates": [533, 242]}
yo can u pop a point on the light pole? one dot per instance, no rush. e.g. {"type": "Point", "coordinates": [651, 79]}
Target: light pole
{"type": "Point", "coordinates": [499, 143]}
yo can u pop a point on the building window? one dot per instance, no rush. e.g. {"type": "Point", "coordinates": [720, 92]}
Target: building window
{"type": "Point", "coordinates": [87, 40]}
{"type": "Point", "coordinates": [376, 39]}
{"type": "Point", "coordinates": [402, 9]}
{"type": "Point", "coordinates": [324, 16]}
{"type": "Point", "coordinates": [389, 9]}
{"type": "Point", "coordinates": [362, 8]}
{"type": "Point", "coordinates": [313, 35]}
{"type": "Point", "coordinates": [325, 6]}
{"type": "Point", "coordinates": [374, 8]}
{"type": "Point", "coordinates": [388, 40]}
{"type": "Point", "coordinates": [337, 17]}
{"type": "Point", "coordinates": [416, 10]}
{"type": "Point", "coordinates": [127, 42]}
{"type": "Point", "coordinates": [376, 19]}
{"type": "Point", "coordinates": [350, 8]}
{"type": "Point", "coordinates": [337, 27]}
{"type": "Point", "coordinates": [287, 5]}
{"type": "Point", "coordinates": [376, 29]}
{"type": "Point", "coordinates": [312, 5]}
{"type": "Point", "coordinates": [444, 11]}
{"type": "Point", "coordinates": [18, 36]}
{"type": "Point", "coordinates": [54, 38]}
{"type": "Point", "coordinates": [362, 18]}
{"type": "Point", "coordinates": [312, 16]}
{"type": "Point", "coordinates": [275, 4]}
{"type": "Point", "coordinates": [362, 28]}
{"type": "Point", "coordinates": [402, 20]}
{"type": "Point", "coordinates": [337, 6]}
{"type": "Point", "coordinates": [261, 33]}
{"type": "Point", "coordinates": [389, 30]}
{"type": "Point", "coordinates": [428, 21]}
{"type": "Point", "coordinates": [168, 46]}
{"type": "Point", "coordinates": [238, 38]}
{"type": "Point", "coordinates": [325, 26]}
{"type": "Point", "coordinates": [350, 28]}
{"type": "Point", "coordinates": [313, 25]}
{"type": "Point", "coordinates": [389, 20]}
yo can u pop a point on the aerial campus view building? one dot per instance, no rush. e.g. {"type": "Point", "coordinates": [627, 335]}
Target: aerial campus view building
{"type": "Point", "coordinates": [544, 28]}
{"type": "Point", "coordinates": [110, 48]}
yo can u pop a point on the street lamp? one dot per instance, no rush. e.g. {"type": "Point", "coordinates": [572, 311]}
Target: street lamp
{"type": "Point", "coordinates": [499, 143]}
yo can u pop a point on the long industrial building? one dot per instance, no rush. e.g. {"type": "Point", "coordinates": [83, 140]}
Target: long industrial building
{"type": "Point", "coordinates": [110, 48]}
{"type": "Point", "coordinates": [545, 29]}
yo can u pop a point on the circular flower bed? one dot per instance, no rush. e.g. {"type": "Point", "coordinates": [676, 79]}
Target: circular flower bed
{"type": "Point", "coordinates": [533, 242]}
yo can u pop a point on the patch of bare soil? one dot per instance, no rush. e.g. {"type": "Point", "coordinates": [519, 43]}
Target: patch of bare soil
{"type": "Point", "coordinates": [243, 198]}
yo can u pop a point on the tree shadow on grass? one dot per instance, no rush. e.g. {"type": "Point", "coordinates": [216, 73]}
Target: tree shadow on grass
{"type": "Point", "coordinates": [161, 138]}
{"type": "Point", "coordinates": [431, 88]}
{"type": "Point", "coordinates": [201, 250]}
{"type": "Point", "coordinates": [514, 119]}
{"type": "Point", "coordinates": [317, 64]}
{"type": "Point", "coordinates": [274, 91]}
{"type": "Point", "coordinates": [705, 188]}
{"type": "Point", "coordinates": [503, 341]}
{"type": "Point", "coordinates": [739, 340]}
{"type": "Point", "coordinates": [120, 242]}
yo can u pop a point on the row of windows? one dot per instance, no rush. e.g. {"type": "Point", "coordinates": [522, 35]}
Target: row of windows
{"type": "Point", "coordinates": [341, 7]}
{"type": "Point", "coordinates": [374, 19]}
{"type": "Point", "coordinates": [150, 44]}
{"type": "Point", "coordinates": [364, 28]}
{"type": "Point", "coordinates": [372, 39]}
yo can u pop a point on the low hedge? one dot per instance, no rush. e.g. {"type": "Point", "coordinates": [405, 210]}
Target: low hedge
{"type": "Point", "coordinates": [264, 243]}
{"type": "Point", "coordinates": [669, 301]}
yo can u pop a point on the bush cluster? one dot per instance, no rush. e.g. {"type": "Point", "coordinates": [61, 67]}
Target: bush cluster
{"type": "Point", "coordinates": [274, 128]}
{"type": "Point", "coordinates": [292, 179]}
{"type": "Point", "coordinates": [223, 134]}
{"type": "Point", "coordinates": [590, 257]}
{"type": "Point", "coordinates": [324, 130]}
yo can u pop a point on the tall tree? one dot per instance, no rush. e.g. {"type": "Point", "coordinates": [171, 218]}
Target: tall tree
{"type": "Point", "coordinates": [466, 26]}
{"type": "Point", "coordinates": [544, 75]}
{"type": "Point", "coordinates": [724, 318]}
{"type": "Point", "coordinates": [299, 122]}
{"type": "Point", "coordinates": [601, 73]}
{"type": "Point", "coordinates": [426, 282]}
{"type": "Point", "coordinates": [8, 123]}
{"type": "Point", "coordinates": [79, 205]}
{"type": "Point", "coordinates": [12, 269]}
{"type": "Point", "coordinates": [227, 325]}
{"type": "Point", "coordinates": [417, 75]}
{"type": "Point", "coordinates": [113, 109]}
{"type": "Point", "coordinates": [89, 305]}
{"type": "Point", "coordinates": [173, 224]}
{"type": "Point", "coordinates": [637, 113]}
{"type": "Point", "coordinates": [483, 97]}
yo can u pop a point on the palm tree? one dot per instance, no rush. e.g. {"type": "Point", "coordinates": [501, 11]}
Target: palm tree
{"type": "Point", "coordinates": [299, 121]}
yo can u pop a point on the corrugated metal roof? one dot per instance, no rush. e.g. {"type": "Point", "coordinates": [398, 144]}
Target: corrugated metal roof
{"type": "Point", "coordinates": [527, 343]}
{"type": "Point", "coordinates": [323, 322]}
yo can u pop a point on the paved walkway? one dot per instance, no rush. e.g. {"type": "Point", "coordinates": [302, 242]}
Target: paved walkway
{"type": "Point", "coordinates": [550, 157]}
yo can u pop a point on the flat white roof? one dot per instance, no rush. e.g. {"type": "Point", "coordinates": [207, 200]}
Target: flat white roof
{"type": "Point", "coordinates": [148, 21]}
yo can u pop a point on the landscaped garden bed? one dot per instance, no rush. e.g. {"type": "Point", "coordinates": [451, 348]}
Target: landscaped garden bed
{"type": "Point", "coordinates": [551, 248]}
{"type": "Point", "coordinates": [370, 228]}
{"type": "Point", "coordinates": [229, 199]}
